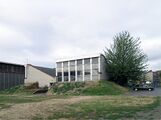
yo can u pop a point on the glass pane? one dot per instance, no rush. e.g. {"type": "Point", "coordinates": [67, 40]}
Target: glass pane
{"type": "Point", "coordinates": [87, 61]}
{"type": "Point", "coordinates": [59, 65]}
{"type": "Point", "coordinates": [79, 62]}
{"type": "Point", "coordinates": [72, 63]}
{"type": "Point", "coordinates": [95, 60]}
{"type": "Point", "coordinates": [65, 64]}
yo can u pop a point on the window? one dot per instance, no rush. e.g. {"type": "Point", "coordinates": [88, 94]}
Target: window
{"type": "Point", "coordinates": [79, 62]}
{"type": "Point", "coordinates": [65, 64]}
{"type": "Point", "coordinates": [95, 60]}
{"type": "Point", "coordinates": [72, 75]}
{"type": "Point", "coordinates": [65, 76]}
{"type": "Point", "coordinates": [65, 73]}
{"type": "Point", "coordinates": [95, 72]}
{"type": "Point", "coordinates": [79, 72]}
{"type": "Point", "coordinates": [72, 63]}
{"type": "Point", "coordinates": [59, 79]}
{"type": "Point", "coordinates": [59, 73]}
{"type": "Point", "coordinates": [87, 61]}
{"type": "Point", "coordinates": [59, 65]}
{"type": "Point", "coordinates": [87, 72]}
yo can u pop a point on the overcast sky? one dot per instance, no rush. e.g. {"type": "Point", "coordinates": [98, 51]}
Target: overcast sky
{"type": "Point", "coordinates": [43, 31]}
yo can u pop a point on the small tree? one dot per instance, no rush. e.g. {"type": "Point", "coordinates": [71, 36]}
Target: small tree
{"type": "Point", "coordinates": [125, 59]}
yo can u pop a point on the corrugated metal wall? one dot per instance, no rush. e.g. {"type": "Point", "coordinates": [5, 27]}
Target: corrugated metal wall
{"type": "Point", "coordinates": [11, 75]}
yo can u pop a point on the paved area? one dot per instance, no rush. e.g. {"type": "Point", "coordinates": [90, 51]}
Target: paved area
{"type": "Point", "coordinates": [155, 92]}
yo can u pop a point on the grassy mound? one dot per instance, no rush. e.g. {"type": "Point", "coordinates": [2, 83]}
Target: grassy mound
{"type": "Point", "coordinates": [89, 88]}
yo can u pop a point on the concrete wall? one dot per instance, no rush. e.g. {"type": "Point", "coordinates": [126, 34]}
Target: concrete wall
{"type": "Point", "coordinates": [103, 72]}
{"type": "Point", "coordinates": [91, 68]}
{"type": "Point", "coordinates": [35, 75]}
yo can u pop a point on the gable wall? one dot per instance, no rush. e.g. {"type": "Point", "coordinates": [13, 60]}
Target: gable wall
{"type": "Point", "coordinates": [35, 75]}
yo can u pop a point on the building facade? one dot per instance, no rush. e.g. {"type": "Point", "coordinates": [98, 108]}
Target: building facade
{"type": "Point", "coordinates": [11, 75]}
{"type": "Point", "coordinates": [44, 76]}
{"type": "Point", "coordinates": [81, 69]}
{"type": "Point", "coordinates": [153, 77]}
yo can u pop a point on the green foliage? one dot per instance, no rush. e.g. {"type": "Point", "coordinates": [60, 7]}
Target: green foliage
{"type": "Point", "coordinates": [62, 88]}
{"type": "Point", "coordinates": [17, 90]}
{"type": "Point", "coordinates": [89, 88]}
{"type": "Point", "coordinates": [104, 88]}
{"type": "Point", "coordinates": [125, 60]}
{"type": "Point", "coordinates": [11, 99]}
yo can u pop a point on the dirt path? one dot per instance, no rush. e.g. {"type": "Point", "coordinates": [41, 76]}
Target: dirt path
{"type": "Point", "coordinates": [27, 111]}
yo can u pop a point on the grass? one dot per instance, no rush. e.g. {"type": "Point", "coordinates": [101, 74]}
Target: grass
{"type": "Point", "coordinates": [97, 100]}
{"type": "Point", "coordinates": [95, 107]}
{"type": "Point", "coordinates": [89, 88]}
{"type": "Point", "coordinates": [106, 108]}
{"type": "Point", "coordinates": [17, 95]}
{"type": "Point", "coordinates": [104, 88]}
{"type": "Point", "coordinates": [7, 101]}
{"type": "Point", "coordinates": [17, 90]}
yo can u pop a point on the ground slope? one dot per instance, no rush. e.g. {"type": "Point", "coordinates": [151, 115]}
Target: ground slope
{"type": "Point", "coordinates": [89, 88]}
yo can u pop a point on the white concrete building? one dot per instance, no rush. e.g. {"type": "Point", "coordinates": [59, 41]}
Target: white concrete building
{"type": "Point", "coordinates": [84, 68]}
{"type": "Point", "coordinates": [44, 76]}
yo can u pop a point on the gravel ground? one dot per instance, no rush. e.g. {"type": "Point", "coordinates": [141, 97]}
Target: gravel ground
{"type": "Point", "coordinates": [155, 92]}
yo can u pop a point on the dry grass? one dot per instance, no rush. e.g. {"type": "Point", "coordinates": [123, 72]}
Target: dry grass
{"type": "Point", "coordinates": [46, 108]}
{"type": "Point", "coordinates": [127, 101]}
{"type": "Point", "coordinates": [30, 110]}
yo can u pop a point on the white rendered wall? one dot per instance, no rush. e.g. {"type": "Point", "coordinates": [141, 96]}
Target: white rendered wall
{"type": "Point", "coordinates": [35, 75]}
{"type": "Point", "coordinates": [102, 74]}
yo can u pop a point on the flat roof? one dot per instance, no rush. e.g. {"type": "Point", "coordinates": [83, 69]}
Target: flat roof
{"type": "Point", "coordinates": [78, 57]}
{"type": "Point", "coordinates": [11, 63]}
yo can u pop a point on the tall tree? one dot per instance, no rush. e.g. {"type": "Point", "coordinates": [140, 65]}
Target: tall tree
{"type": "Point", "coordinates": [125, 60]}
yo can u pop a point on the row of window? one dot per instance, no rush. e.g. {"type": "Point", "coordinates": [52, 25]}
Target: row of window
{"type": "Point", "coordinates": [79, 62]}
{"type": "Point", "coordinates": [12, 68]}
{"type": "Point", "coordinates": [79, 78]}
{"type": "Point", "coordinates": [86, 72]}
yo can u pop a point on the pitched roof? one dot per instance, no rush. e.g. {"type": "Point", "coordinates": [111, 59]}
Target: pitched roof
{"type": "Point", "coordinates": [11, 63]}
{"type": "Point", "coordinates": [49, 71]}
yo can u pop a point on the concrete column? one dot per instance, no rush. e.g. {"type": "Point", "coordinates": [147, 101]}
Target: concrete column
{"type": "Point", "coordinates": [90, 68]}
{"type": "Point", "coordinates": [83, 68]}
{"type": "Point", "coordinates": [56, 70]}
{"type": "Point", "coordinates": [76, 75]}
{"type": "Point", "coordinates": [99, 68]}
{"type": "Point", "coordinates": [26, 71]}
{"type": "Point", "coordinates": [62, 72]}
{"type": "Point", "coordinates": [99, 64]}
{"type": "Point", "coordinates": [69, 71]}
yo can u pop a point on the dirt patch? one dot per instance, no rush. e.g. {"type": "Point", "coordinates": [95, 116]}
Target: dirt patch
{"type": "Point", "coordinates": [27, 111]}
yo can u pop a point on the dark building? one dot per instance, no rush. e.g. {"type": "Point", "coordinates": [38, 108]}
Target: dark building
{"type": "Point", "coordinates": [11, 75]}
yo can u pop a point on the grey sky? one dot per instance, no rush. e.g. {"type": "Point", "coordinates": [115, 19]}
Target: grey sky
{"type": "Point", "coordinates": [43, 31]}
